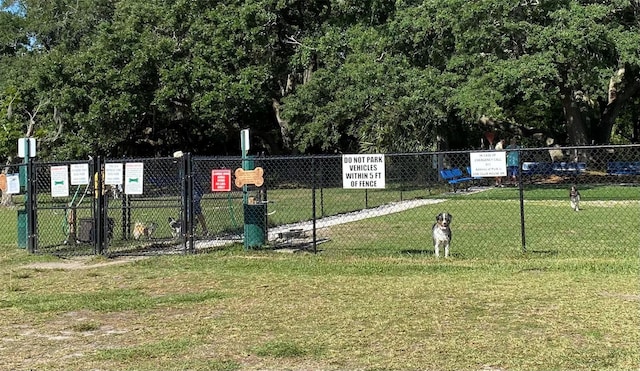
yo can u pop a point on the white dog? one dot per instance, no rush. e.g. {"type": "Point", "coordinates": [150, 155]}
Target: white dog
{"type": "Point", "coordinates": [574, 197]}
{"type": "Point", "coordinates": [441, 231]}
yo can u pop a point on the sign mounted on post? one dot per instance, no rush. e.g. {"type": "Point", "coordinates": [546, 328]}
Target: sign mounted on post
{"type": "Point", "coordinates": [23, 143]}
{"type": "Point", "coordinates": [221, 180]}
{"type": "Point", "coordinates": [244, 177]}
{"type": "Point", "coordinates": [244, 140]}
{"type": "Point", "coordinates": [363, 171]}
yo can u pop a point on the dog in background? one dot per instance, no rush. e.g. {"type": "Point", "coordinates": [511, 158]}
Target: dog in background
{"type": "Point", "coordinates": [144, 230]}
{"type": "Point", "coordinates": [574, 198]}
{"type": "Point", "coordinates": [441, 232]}
{"type": "Point", "coordinates": [176, 227]}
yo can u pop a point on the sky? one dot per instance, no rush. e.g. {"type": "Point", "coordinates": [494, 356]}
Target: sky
{"type": "Point", "coordinates": [14, 8]}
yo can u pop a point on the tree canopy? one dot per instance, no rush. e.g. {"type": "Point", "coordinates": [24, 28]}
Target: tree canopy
{"type": "Point", "coordinates": [149, 77]}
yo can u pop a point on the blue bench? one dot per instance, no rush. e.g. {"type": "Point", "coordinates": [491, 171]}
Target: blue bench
{"type": "Point", "coordinates": [623, 168]}
{"type": "Point", "coordinates": [571, 168]}
{"type": "Point", "coordinates": [553, 168]}
{"type": "Point", "coordinates": [455, 177]}
{"type": "Point", "coordinates": [471, 175]}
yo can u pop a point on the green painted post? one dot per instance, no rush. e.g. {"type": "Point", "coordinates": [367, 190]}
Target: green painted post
{"type": "Point", "coordinates": [23, 215]}
{"type": "Point", "coordinates": [255, 216]}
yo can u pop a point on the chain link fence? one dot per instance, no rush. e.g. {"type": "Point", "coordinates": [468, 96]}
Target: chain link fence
{"type": "Point", "coordinates": [354, 204]}
{"type": "Point", "coordinates": [13, 198]}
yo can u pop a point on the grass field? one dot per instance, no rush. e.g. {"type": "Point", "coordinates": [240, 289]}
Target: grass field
{"type": "Point", "coordinates": [375, 302]}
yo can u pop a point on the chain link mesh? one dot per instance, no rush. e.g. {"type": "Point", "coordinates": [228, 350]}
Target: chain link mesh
{"type": "Point", "coordinates": [302, 204]}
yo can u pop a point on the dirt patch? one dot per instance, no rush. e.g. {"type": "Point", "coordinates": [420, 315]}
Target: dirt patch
{"type": "Point", "coordinates": [82, 262]}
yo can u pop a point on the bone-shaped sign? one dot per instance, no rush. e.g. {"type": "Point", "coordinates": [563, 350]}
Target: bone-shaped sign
{"type": "Point", "coordinates": [249, 177]}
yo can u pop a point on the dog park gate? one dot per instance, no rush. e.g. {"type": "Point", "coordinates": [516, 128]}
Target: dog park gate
{"type": "Point", "coordinates": [302, 202]}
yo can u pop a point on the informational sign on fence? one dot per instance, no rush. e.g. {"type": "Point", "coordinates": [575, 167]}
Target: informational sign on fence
{"type": "Point", "coordinates": [363, 171]}
{"type": "Point", "coordinates": [13, 184]}
{"type": "Point", "coordinates": [79, 174]}
{"type": "Point", "coordinates": [488, 164]}
{"type": "Point", "coordinates": [113, 173]}
{"type": "Point", "coordinates": [59, 181]}
{"type": "Point", "coordinates": [10, 183]}
{"type": "Point", "coordinates": [221, 180]}
{"type": "Point", "coordinates": [134, 178]}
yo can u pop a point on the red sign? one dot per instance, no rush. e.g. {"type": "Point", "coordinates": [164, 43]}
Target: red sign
{"type": "Point", "coordinates": [221, 180]}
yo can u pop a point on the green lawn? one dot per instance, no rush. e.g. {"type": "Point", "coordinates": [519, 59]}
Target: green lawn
{"type": "Point", "coordinates": [373, 298]}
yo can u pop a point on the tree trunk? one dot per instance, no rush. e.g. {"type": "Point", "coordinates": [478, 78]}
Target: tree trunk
{"type": "Point", "coordinates": [576, 132]}
{"type": "Point", "coordinates": [285, 132]}
{"type": "Point", "coordinates": [622, 87]}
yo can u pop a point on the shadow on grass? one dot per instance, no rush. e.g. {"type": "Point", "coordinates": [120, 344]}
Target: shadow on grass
{"type": "Point", "coordinates": [543, 252]}
{"type": "Point", "coordinates": [429, 252]}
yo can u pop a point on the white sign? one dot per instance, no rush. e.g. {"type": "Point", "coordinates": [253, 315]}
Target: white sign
{"type": "Point", "coordinates": [244, 140]}
{"type": "Point", "coordinates": [363, 171]}
{"type": "Point", "coordinates": [13, 184]}
{"type": "Point", "coordinates": [22, 147]}
{"type": "Point", "coordinates": [134, 175]}
{"type": "Point", "coordinates": [59, 181]}
{"type": "Point", "coordinates": [113, 173]}
{"type": "Point", "coordinates": [79, 174]}
{"type": "Point", "coordinates": [488, 164]}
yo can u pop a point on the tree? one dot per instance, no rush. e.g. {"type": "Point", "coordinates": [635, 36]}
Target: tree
{"type": "Point", "coordinates": [519, 62]}
{"type": "Point", "coordinates": [149, 77]}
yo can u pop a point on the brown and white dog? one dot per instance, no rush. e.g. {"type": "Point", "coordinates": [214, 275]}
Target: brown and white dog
{"type": "Point", "coordinates": [441, 232]}
{"type": "Point", "coordinates": [574, 198]}
{"type": "Point", "coordinates": [144, 230]}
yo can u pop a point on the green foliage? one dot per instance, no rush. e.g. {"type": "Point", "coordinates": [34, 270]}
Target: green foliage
{"type": "Point", "coordinates": [150, 77]}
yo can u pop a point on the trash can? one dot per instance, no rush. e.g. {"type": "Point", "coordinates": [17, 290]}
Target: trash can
{"type": "Point", "coordinates": [255, 224]}
{"type": "Point", "coordinates": [22, 228]}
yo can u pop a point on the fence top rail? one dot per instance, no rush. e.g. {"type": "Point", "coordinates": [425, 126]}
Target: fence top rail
{"type": "Point", "coordinates": [334, 156]}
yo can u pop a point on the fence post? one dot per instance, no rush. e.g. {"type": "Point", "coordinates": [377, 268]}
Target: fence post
{"type": "Point", "coordinates": [98, 227]}
{"type": "Point", "coordinates": [30, 205]}
{"type": "Point", "coordinates": [521, 189]}
{"type": "Point", "coordinates": [187, 186]}
{"type": "Point", "coordinates": [313, 201]}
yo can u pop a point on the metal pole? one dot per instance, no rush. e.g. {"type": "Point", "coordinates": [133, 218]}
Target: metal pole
{"type": "Point", "coordinates": [245, 195]}
{"type": "Point", "coordinates": [313, 203]}
{"type": "Point", "coordinates": [98, 227]}
{"type": "Point", "coordinates": [104, 229]}
{"type": "Point", "coordinates": [366, 198]}
{"type": "Point", "coordinates": [522, 219]}
{"type": "Point", "coordinates": [189, 223]}
{"type": "Point", "coordinates": [29, 199]}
